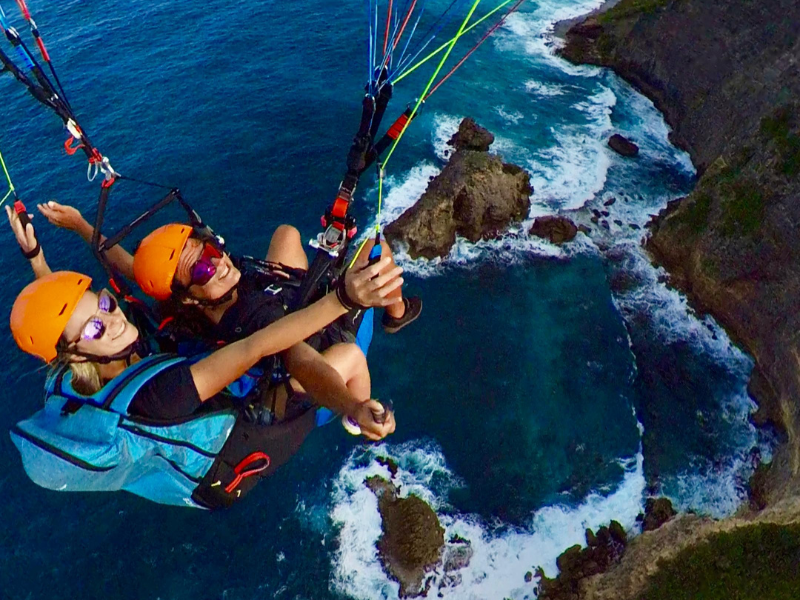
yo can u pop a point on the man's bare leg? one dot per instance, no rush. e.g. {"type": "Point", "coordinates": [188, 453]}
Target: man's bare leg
{"type": "Point", "coordinates": [286, 248]}
{"type": "Point", "coordinates": [351, 365]}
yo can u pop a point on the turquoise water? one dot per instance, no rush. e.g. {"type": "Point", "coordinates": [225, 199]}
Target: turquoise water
{"type": "Point", "coordinates": [521, 394]}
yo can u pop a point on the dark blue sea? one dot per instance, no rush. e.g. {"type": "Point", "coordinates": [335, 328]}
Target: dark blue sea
{"type": "Point", "coordinates": [544, 390]}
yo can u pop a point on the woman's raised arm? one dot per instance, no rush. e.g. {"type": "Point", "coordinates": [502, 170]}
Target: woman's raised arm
{"type": "Point", "coordinates": [26, 238]}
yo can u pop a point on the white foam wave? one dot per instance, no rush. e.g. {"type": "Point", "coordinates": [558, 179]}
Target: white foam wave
{"type": "Point", "coordinates": [670, 314]}
{"type": "Point", "coordinates": [512, 116]}
{"type": "Point", "coordinates": [544, 89]}
{"type": "Point", "coordinates": [445, 127]}
{"type": "Point", "coordinates": [573, 171]}
{"type": "Point", "coordinates": [501, 556]}
{"type": "Point", "coordinates": [718, 488]}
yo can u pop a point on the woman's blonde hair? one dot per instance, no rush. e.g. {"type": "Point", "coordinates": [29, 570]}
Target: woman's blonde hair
{"type": "Point", "coordinates": [86, 378]}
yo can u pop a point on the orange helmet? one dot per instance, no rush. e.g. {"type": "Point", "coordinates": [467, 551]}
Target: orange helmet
{"type": "Point", "coordinates": [41, 311]}
{"type": "Point", "coordinates": [156, 259]}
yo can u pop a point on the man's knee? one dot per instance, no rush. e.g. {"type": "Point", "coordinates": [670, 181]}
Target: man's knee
{"type": "Point", "coordinates": [286, 234]}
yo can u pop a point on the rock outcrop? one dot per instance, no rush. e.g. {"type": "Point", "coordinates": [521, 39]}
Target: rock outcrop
{"type": "Point", "coordinates": [412, 543]}
{"type": "Point", "coordinates": [729, 92]}
{"type": "Point", "coordinates": [575, 564]}
{"type": "Point", "coordinates": [623, 146]}
{"type": "Point", "coordinates": [476, 196]}
{"type": "Point", "coordinates": [657, 511]}
{"type": "Point", "coordinates": [558, 230]}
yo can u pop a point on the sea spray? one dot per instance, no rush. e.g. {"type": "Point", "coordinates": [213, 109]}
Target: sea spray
{"type": "Point", "coordinates": [502, 554]}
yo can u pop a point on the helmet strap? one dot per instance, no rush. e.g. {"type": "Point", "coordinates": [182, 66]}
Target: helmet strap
{"type": "Point", "coordinates": [137, 347]}
{"type": "Point", "coordinates": [204, 303]}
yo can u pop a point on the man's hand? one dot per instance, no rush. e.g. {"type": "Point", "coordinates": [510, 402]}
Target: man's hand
{"type": "Point", "coordinates": [26, 237]}
{"type": "Point", "coordinates": [66, 217]}
{"type": "Point", "coordinates": [371, 285]}
{"type": "Point", "coordinates": [363, 414]}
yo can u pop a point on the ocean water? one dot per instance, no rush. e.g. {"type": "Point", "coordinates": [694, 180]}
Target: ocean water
{"type": "Point", "coordinates": [543, 391]}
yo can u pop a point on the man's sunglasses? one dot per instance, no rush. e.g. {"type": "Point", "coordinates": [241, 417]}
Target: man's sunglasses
{"type": "Point", "coordinates": [203, 270]}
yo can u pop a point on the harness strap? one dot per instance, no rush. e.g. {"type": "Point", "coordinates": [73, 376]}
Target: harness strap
{"type": "Point", "coordinates": [253, 464]}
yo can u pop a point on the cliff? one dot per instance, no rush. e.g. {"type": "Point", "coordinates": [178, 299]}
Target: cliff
{"type": "Point", "coordinates": [725, 75]}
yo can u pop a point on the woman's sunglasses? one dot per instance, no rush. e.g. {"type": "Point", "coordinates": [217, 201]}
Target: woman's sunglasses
{"type": "Point", "coordinates": [203, 270]}
{"type": "Point", "coordinates": [95, 328]}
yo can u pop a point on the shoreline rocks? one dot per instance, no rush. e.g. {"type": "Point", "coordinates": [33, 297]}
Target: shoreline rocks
{"type": "Point", "coordinates": [657, 511]}
{"type": "Point", "coordinates": [729, 95]}
{"type": "Point", "coordinates": [557, 229]}
{"type": "Point", "coordinates": [603, 549]}
{"type": "Point", "coordinates": [731, 245]}
{"type": "Point", "coordinates": [476, 196]}
{"type": "Point", "coordinates": [623, 146]}
{"type": "Point", "coordinates": [412, 541]}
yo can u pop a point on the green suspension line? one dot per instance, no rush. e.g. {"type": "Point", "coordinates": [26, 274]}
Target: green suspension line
{"type": "Point", "coordinates": [11, 189]}
{"type": "Point", "coordinates": [422, 61]}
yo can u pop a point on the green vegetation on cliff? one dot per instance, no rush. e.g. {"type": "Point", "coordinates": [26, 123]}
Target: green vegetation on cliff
{"type": "Point", "coordinates": [760, 562]}
{"type": "Point", "coordinates": [629, 8]}
{"type": "Point", "coordinates": [696, 212]}
{"type": "Point", "coordinates": [778, 129]}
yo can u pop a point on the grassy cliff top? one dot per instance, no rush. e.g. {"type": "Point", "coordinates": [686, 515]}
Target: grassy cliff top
{"type": "Point", "coordinates": [759, 562]}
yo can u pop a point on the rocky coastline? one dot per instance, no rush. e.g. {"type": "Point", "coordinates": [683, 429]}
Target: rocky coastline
{"type": "Point", "coordinates": [726, 76]}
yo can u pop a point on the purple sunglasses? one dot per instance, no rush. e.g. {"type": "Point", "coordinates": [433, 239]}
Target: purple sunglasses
{"type": "Point", "coordinates": [203, 270]}
{"type": "Point", "coordinates": [95, 328]}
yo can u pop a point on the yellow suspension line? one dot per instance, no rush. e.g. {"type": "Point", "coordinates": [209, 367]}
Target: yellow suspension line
{"type": "Point", "coordinates": [443, 46]}
{"type": "Point", "coordinates": [11, 188]}
{"type": "Point", "coordinates": [381, 166]}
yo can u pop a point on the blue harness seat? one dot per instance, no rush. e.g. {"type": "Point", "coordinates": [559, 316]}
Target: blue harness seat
{"type": "Point", "coordinates": [91, 443]}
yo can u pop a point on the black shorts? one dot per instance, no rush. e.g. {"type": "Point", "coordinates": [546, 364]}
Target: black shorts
{"type": "Point", "coordinates": [342, 331]}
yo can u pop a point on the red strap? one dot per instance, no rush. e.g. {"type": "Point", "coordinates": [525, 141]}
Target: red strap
{"type": "Point", "coordinates": [42, 49]}
{"type": "Point", "coordinates": [241, 473]}
{"type": "Point", "coordinates": [339, 209]}
{"type": "Point", "coordinates": [397, 127]}
{"type": "Point", "coordinates": [70, 148]}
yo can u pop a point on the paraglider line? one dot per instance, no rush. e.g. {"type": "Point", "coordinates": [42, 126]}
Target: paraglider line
{"type": "Point", "coordinates": [448, 43]}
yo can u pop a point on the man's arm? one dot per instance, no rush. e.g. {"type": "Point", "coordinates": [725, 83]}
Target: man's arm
{"type": "Point", "coordinates": [70, 218]}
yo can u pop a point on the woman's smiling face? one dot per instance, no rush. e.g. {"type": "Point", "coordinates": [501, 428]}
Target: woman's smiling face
{"type": "Point", "coordinates": [225, 277]}
{"type": "Point", "coordinates": [98, 326]}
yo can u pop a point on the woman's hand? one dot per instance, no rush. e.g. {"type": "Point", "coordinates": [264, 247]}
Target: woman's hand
{"type": "Point", "coordinates": [26, 236]}
{"type": "Point", "coordinates": [66, 217]}
{"type": "Point", "coordinates": [371, 285]}
{"type": "Point", "coordinates": [364, 414]}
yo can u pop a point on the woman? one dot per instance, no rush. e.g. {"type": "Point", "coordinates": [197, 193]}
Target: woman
{"type": "Point", "coordinates": [99, 368]}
